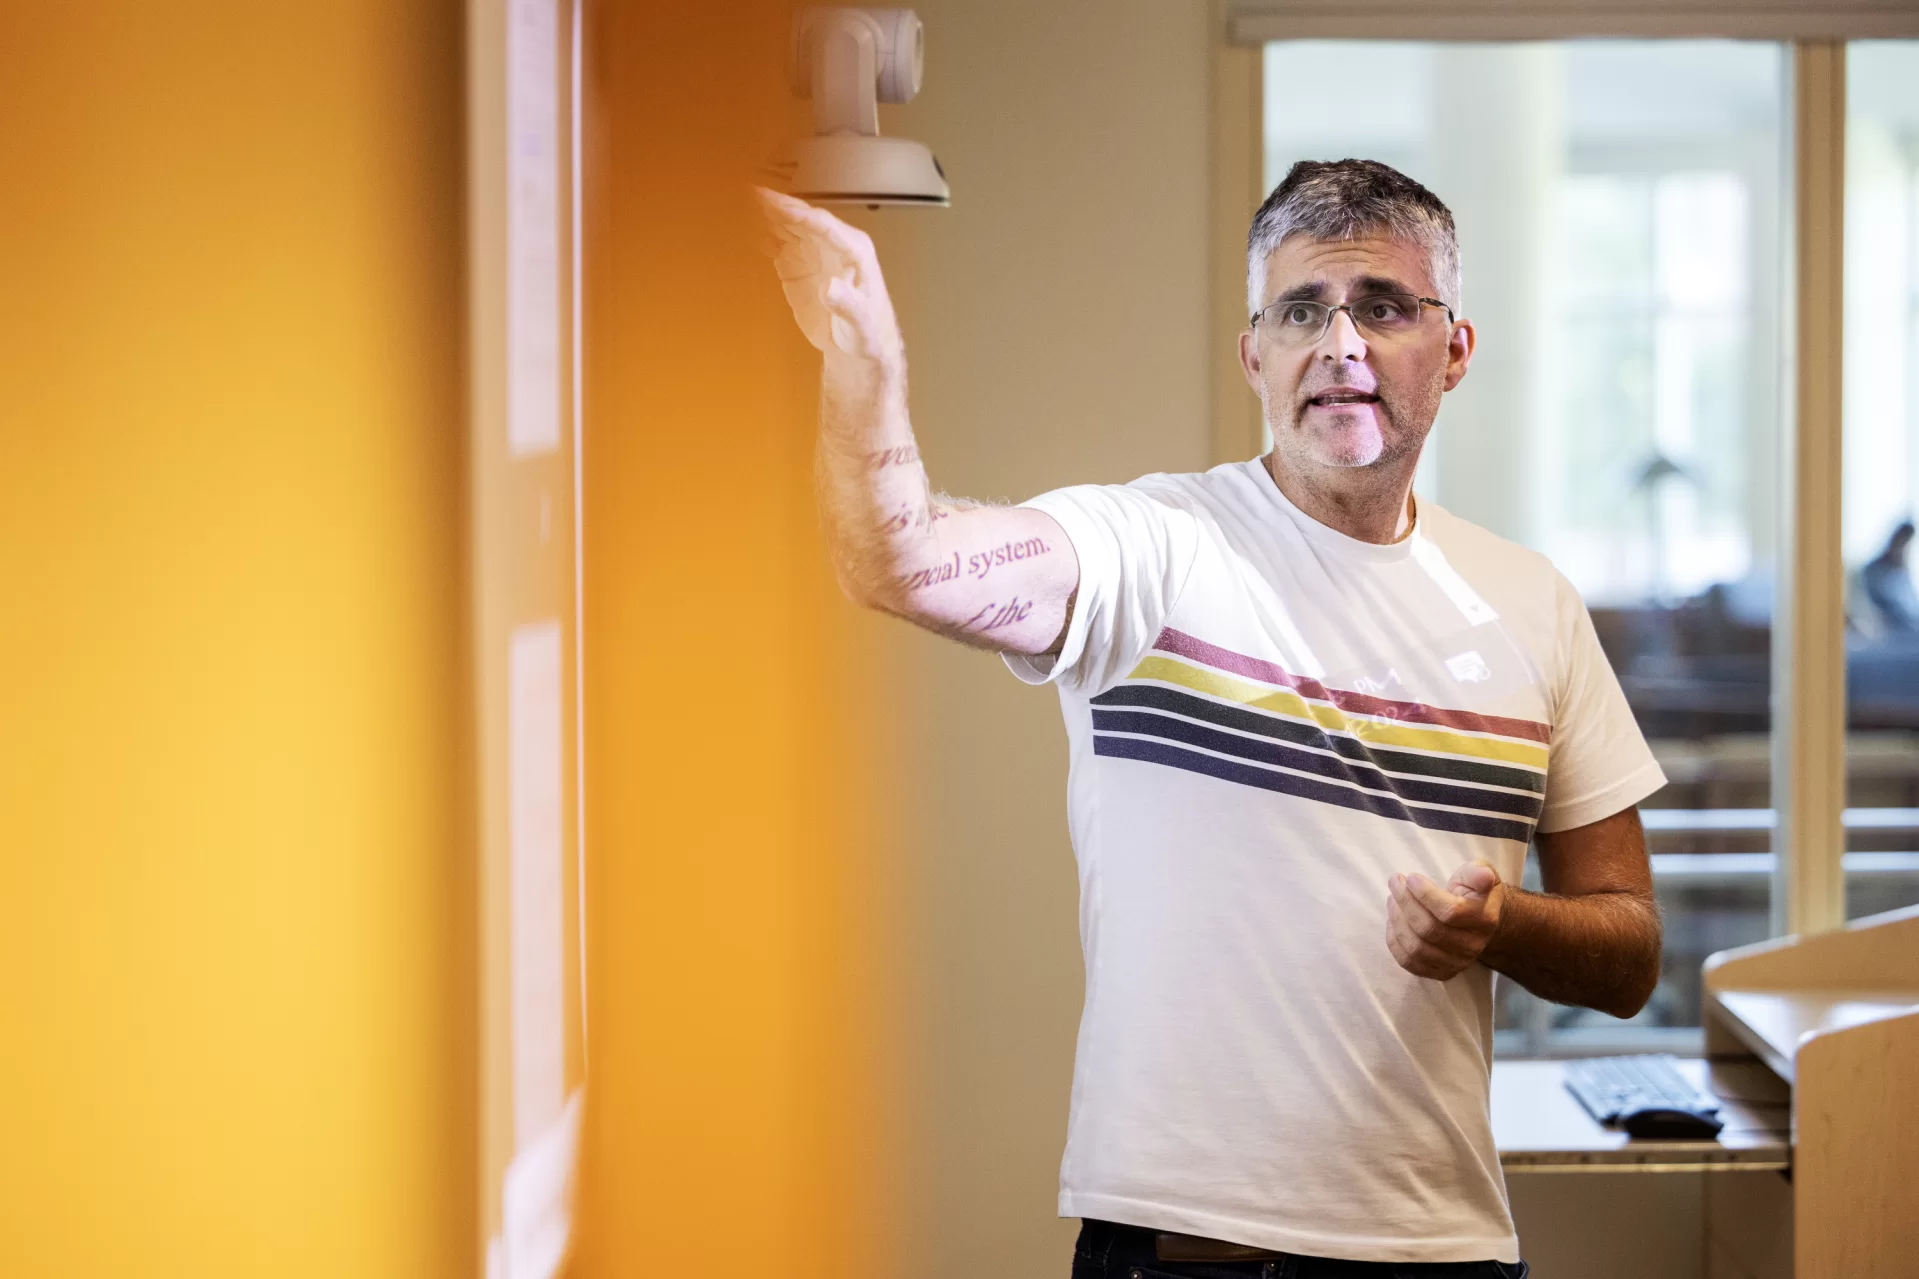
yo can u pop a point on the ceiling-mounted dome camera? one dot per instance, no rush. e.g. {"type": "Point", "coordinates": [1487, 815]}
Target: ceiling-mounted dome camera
{"type": "Point", "coordinates": [848, 61]}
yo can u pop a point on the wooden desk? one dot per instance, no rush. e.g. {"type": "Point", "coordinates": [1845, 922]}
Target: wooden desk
{"type": "Point", "coordinates": [1813, 1049]}
{"type": "Point", "coordinates": [1540, 1127]}
{"type": "Point", "coordinates": [1772, 1024]}
{"type": "Point", "coordinates": [1836, 1017]}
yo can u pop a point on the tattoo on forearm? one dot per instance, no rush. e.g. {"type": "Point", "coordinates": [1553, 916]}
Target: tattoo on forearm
{"type": "Point", "coordinates": [985, 562]}
{"type": "Point", "coordinates": [962, 566]}
{"type": "Point", "coordinates": [902, 455]}
{"type": "Point", "coordinates": [905, 517]}
{"type": "Point", "coordinates": [944, 571]}
{"type": "Point", "coordinates": [998, 615]}
{"type": "Point", "coordinates": [977, 565]}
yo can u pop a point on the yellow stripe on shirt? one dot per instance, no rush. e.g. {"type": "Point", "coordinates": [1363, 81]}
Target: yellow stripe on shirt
{"type": "Point", "coordinates": [1285, 701]}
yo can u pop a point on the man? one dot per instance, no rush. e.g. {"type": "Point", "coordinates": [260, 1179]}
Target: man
{"type": "Point", "coordinates": [1888, 582]}
{"type": "Point", "coordinates": [1314, 726]}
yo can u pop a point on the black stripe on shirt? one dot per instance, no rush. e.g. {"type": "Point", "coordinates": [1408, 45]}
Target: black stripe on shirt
{"type": "Point", "coordinates": [1165, 753]}
{"type": "Point", "coordinates": [1450, 768]}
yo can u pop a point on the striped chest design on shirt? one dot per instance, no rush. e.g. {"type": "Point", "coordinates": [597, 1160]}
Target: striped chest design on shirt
{"type": "Point", "coordinates": [1198, 707]}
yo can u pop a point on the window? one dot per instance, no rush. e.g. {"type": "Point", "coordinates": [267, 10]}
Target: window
{"type": "Point", "coordinates": [1881, 484]}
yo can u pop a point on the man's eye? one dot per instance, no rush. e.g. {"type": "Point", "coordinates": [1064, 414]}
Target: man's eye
{"type": "Point", "coordinates": [1385, 310]}
{"type": "Point", "coordinates": [1297, 315]}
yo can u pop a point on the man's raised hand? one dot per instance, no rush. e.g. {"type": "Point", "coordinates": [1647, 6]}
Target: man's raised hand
{"type": "Point", "coordinates": [832, 280]}
{"type": "Point", "coordinates": [997, 577]}
{"type": "Point", "coordinates": [1439, 932]}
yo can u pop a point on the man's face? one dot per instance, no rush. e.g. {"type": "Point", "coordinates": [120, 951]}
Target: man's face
{"type": "Point", "coordinates": [1353, 399]}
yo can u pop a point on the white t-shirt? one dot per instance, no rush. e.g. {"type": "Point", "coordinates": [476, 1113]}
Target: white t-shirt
{"type": "Point", "coordinates": [1268, 719]}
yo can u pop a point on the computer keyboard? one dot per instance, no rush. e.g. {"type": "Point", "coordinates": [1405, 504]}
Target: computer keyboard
{"type": "Point", "coordinates": [1646, 1095]}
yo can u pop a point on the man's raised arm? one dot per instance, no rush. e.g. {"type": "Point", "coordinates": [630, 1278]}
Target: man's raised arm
{"type": "Point", "coordinates": [997, 577]}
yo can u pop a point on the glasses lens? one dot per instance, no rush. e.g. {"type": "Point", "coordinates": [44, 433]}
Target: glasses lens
{"type": "Point", "coordinates": [1386, 313]}
{"type": "Point", "coordinates": [1294, 323]}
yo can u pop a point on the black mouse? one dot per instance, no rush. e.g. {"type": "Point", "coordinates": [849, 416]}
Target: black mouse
{"type": "Point", "coordinates": [1659, 1121]}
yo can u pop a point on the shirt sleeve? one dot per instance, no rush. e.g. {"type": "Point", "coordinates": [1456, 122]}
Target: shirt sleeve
{"type": "Point", "coordinates": [1598, 763]}
{"type": "Point", "coordinates": [1135, 552]}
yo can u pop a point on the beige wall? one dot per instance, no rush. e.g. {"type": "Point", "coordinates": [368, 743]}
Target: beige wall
{"type": "Point", "coordinates": [1056, 321]}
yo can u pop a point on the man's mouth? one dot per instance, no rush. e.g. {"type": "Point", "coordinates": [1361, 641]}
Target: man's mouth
{"type": "Point", "coordinates": [1339, 399]}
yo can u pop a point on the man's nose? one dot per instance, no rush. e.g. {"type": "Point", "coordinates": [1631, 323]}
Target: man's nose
{"type": "Point", "coordinates": [1342, 341]}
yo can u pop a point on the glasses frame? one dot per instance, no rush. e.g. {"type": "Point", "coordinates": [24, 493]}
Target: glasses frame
{"type": "Point", "coordinates": [1347, 307]}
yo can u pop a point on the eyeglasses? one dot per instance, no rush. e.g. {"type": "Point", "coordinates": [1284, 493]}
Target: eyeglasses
{"type": "Point", "coordinates": [1382, 315]}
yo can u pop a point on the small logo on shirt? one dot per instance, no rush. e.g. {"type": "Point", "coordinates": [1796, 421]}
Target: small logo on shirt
{"type": "Point", "coordinates": [1469, 667]}
{"type": "Point", "coordinates": [1367, 684]}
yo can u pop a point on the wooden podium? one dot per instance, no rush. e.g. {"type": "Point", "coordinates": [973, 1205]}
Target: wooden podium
{"type": "Point", "coordinates": [1835, 1017]}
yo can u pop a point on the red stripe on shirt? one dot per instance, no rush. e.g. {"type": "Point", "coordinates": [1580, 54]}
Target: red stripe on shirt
{"type": "Point", "coordinates": [1172, 641]}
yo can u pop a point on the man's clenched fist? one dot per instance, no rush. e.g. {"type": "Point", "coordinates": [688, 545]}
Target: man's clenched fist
{"type": "Point", "coordinates": [1439, 932]}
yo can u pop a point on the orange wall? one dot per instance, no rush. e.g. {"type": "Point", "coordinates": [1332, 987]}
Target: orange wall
{"type": "Point", "coordinates": [737, 920]}
{"type": "Point", "coordinates": [235, 974]}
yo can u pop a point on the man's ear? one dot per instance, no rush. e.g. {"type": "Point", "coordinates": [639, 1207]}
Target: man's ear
{"type": "Point", "coordinates": [1249, 358]}
{"type": "Point", "coordinates": [1459, 352]}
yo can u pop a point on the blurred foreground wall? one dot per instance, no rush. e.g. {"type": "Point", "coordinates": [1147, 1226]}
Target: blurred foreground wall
{"type": "Point", "coordinates": [236, 985]}
{"type": "Point", "coordinates": [741, 920]}
{"type": "Point", "coordinates": [834, 974]}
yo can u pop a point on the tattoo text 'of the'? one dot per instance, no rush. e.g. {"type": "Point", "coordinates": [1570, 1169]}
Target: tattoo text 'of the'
{"type": "Point", "coordinates": [998, 615]}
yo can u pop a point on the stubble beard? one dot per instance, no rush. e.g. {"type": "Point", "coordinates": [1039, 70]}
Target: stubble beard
{"type": "Point", "coordinates": [1375, 446]}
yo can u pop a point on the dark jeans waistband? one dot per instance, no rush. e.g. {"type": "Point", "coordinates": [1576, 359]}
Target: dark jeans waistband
{"type": "Point", "coordinates": [1112, 1250]}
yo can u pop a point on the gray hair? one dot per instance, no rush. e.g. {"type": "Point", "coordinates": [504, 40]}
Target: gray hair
{"type": "Point", "coordinates": [1344, 199]}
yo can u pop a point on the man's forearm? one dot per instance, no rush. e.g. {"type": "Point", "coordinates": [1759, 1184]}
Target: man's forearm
{"type": "Point", "coordinates": [1000, 578]}
{"type": "Point", "coordinates": [874, 498]}
{"type": "Point", "coordinates": [1597, 950]}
